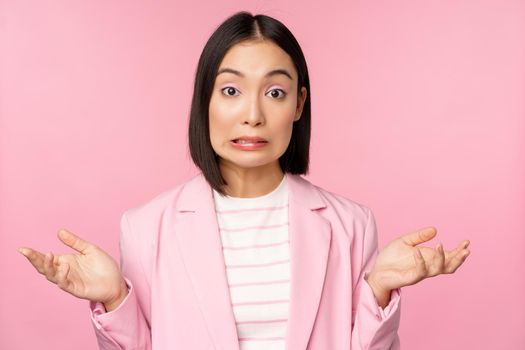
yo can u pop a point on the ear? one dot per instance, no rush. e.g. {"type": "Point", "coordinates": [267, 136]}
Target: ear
{"type": "Point", "coordinates": [300, 103]}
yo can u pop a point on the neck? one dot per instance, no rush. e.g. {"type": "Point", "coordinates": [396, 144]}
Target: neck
{"type": "Point", "coordinates": [251, 182]}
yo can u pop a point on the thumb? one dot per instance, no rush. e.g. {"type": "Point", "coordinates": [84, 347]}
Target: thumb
{"type": "Point", "coordinates": [73, 241]}
{"type": "Point", "coordinates": [419, 236]}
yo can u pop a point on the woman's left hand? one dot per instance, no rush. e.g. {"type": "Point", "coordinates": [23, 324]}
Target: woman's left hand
{"type": "Point", "coordinates": [401, 263]}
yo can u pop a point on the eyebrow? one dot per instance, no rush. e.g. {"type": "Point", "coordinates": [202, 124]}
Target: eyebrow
{"type": "Point", "coordinates": [271, 73]}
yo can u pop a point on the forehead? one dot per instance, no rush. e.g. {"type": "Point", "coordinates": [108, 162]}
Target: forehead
{"type": "Point", "coordinates": [257, 58]}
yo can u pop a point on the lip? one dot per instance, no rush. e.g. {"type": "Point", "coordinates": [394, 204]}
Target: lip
{"type": "Point", "coordinates": [249, 146]}
{"type": "Point", "coordinates": [250, 138]}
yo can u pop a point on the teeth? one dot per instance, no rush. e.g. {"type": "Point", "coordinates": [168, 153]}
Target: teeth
{"type": "Point", "coordinates": [247, 141]}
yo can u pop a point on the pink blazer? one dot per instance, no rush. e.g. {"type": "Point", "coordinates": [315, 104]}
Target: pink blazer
{"type": "Point", "coordinates": [171, 259]}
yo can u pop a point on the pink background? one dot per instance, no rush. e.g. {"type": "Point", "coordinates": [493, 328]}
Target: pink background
{"type": "Point", "coordinates": [418, 112]}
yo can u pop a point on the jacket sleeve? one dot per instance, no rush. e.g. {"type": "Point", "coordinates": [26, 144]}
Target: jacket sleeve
{"type": "Point", "coordinates": [125, 327]}
{"type": "Point", "coordinates": [373, 328]}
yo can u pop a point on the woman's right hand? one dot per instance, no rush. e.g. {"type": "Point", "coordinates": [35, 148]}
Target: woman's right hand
{"type": "Point", "coordinates": [90, 274]}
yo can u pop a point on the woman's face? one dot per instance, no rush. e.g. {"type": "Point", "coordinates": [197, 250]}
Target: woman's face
{"type": "Point", "coordinates": [251, 98]}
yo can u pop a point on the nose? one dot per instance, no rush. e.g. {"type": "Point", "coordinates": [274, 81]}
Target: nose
{"type": "Point", "coordinates": [255, 114]}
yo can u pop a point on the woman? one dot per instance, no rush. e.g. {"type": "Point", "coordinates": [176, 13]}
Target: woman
{"type": "Point", "coordinates": [248, 254]}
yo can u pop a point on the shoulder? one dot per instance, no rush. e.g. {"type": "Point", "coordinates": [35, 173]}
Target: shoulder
{"type": "Point", "coordinates": [342, 202]}
{"type": "Point", "coordinates": [340, 207]}
{"type": "Point", "coordinates": [152, 210]}
{"type": "Point", "coordinates": [338, 200]}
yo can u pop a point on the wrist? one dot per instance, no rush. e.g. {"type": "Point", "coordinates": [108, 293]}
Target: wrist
{"type": "Point", "coordinates": [113, 303]}
{"type": "Point", "coordinates": [381, 294]}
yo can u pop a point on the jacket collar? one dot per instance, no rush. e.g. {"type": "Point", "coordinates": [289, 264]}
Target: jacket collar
{"type": "Point", "coordinates": [199, 239]}
{"type": "Point", "coordinates": [300, 189]}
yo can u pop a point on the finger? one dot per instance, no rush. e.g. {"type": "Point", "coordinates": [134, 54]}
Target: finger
{"type": "Point", "coordinates": [61, 276]}
{"type": "Point", "coordinates": [421, 267]}
{"type": "Point", "coordinates": [419, 236]}
{"type": "Point", "coordinates": [50, 269]}
{"type": "Point", "coordinates": [457, 261]}
{"type": "Point", "coordinates": [73, 241]}
{"type": "Point", "coordinates": [35, 258]}
{"type": "Point", "coordinates": [439, 264]}
{"type": "Point", "coordinates": [452, 253]}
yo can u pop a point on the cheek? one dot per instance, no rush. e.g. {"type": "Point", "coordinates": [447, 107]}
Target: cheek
{"type": "Point", "coordinates": [218, 120]}
{"type": "Point", "coordinates": [223, 111]}
{"type": "Point", "coordinates": [283, 132]}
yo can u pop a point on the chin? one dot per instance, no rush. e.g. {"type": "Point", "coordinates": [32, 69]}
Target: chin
{"type": "Point", "coordinates": [254, 162]}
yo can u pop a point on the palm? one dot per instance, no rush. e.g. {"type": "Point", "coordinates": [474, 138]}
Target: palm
{"type": "Point", "coordinates": [398, 264]}
{"type": "Point", "coordinates": [88, 274]}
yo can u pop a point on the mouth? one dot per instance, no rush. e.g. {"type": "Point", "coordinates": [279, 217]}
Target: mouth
{"type": "Point", "coordinates": [249, 143]}
{"type": "Point", "coordinates": [244, 141]}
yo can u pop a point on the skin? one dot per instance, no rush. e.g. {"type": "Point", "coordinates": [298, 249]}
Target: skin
{"type": "Point", "coordinates": [89, 273]}
{"type": "Point", "coordinates": [254, 105]}
{"type": "Point", "coordinates": [402, 263]}
{"type": "Point", "coordinates": [249, 105]}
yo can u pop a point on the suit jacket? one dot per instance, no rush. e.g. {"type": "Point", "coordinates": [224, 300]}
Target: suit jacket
{"type": "Point", "coordinates": [171, 258]}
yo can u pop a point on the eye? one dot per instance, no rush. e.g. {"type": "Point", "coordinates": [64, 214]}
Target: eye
{"type": "Point", "coordinates": [276, 90]}
{"type": "Point", "coordinates": [229, 89]}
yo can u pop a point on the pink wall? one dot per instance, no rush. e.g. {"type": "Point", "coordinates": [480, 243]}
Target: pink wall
{"type": "Point", "coordinates": [418, 113]}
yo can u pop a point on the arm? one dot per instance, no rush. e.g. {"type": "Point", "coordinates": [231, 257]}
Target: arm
{"type": "Point", "coordinates": [373, 327]}
{"type": "Point", "coordinates": [125, 326]}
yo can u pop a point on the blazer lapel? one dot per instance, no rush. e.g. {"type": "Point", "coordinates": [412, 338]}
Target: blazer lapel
{"type": "Point", "coordinates": [310, 236]}
{"type": "Point", "coordinates": [198, 235]}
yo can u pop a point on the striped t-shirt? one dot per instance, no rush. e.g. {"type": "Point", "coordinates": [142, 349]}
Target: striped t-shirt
{"type": "Point", "coordinates": [255, 242]}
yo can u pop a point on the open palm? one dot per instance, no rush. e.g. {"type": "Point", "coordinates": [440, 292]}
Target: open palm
{"type": "Point", "coordinates": [402, 263]}
{"type": "Point", "coordinates": [90, 273]}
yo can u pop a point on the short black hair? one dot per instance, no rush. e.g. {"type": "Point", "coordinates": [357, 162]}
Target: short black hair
{"type": "Point", "coordinates": [243, 26]}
